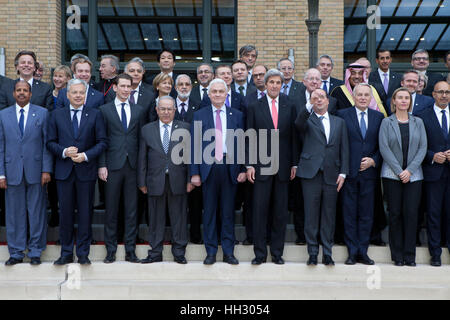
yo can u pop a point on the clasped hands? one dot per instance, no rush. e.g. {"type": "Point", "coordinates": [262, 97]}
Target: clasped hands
{"type": "Point", "coordinates": [72, 152]}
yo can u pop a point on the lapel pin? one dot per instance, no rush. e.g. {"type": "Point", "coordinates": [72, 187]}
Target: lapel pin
{"type": "Point", "coordinates": [86, 114]}
{"type": "Point", "coordinates": [34, 115]}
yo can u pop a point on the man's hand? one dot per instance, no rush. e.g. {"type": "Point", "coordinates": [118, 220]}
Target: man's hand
{"type": "Point", "coordinates": [293, 173]}
{"type": "Point", "coordinates": [189, 187]}
{"type": "Point", "coordinates": [103, 173]}
{"type": "Point", "coordinates": [405, 175]}
{"type": "Point", "coordinates": [440, 157]}
{"type": "Point", "coordinates": [447, 154]}
{"type": "Point", "coordinates": [78, 158]}
{"type": "Point", "coordinates": [340, 183]}
{"type": "Point", "coordinates": [366, 163]}
{"type": "Point", "coordinates": [45, 178]}
{"type": "Point", "coordinates": [71, 152]}
{"type": "Point", "coordinates": [242, 177]}
{"type": "Point", "coordinates": [3, 184]}
{"type": "Point", "coordinates": [251, 174]}
{"type": "Point", "coordinates": [196, 180]}
{"type": "Point", "coordinates": [143, 189]}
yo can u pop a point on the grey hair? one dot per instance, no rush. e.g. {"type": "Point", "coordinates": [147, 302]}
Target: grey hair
{"type": "Point", "coordinates": [73, 82]}
{"type": "Point", "coordinates": [79, 56]}
{"type": "Point", "coordinates": [285, 59]}
{"type": "Point", "coordinates": [305, 76]}
{"type": "Point", "coordinates": [327, 57]}
{"type": "Point", "coordinates": [247, 48]}
{"type": "Point", "coordinates": [362, 85]}
{"type": "Point", "coordinates": [409, 71]}
{"type": "Point", "coordinates": [217, 80]}
{"type": "Point", "coordinates": [206, 64]}
{"type": "Point", "coordinates": [114, 61]}
{"type": "Point", "coordinates": [135, 60]}
{"type": "Point", "coordinates": [273, 73]}
{"type": "Point", "coordinates": [419, 51]}
{"type": "Point", "coordinates": [425, 79]}
{"type": "Point", "coordinates": [166, 98]}
{"type": "Point", "coordinates": [180, 76]}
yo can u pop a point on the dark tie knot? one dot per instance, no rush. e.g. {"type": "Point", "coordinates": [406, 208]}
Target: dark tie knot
{"type": "Point", "coordinates": [321, 117]}
{"type": "Point", "coordinates": [22, 111]}
{"type": "Point", "coordinates": [362, 113]}
{"type": "Point", "coordinates": [75, 111]}
{"type": "Point", "coordinates": [123, 105]}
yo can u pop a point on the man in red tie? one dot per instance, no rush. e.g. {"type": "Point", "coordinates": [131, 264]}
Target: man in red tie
{"type": "Point", "coordinates": [274, 114]}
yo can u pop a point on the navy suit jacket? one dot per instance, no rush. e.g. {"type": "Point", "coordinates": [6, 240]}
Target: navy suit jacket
{"type": "Point", "coordinates": [95, 99]}
{"type": "Point", "coordinates": [433, 78]}
{"type": "Point", "coordinates": [394, 81]}
{"type": "Point", "coordinates": [437, 142]}
{"type": "Point", "coordinates": [235, 120]}
{"type": "Point", "coordinates": [333, 84]}
{"type": "Point", "coordinates": [420, 104]}
{"type": "Point", "coordinates": [91, 140]}
{"type": "Point", "coordinates": [24, 157]}
{"type": "Point", "coordinates": [237, 102]}
{"type": "Point", "coordinates": [41, 94]}
{"type": "Point", "coordinates": [362, 147]}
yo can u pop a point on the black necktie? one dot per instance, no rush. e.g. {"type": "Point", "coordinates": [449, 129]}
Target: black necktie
{"type": "Point", "coordinates": [444, 123]}
{"type": "Point", "coordinates": [205, 92]}
{"type": "Point", "coordinates": [124, 117]}
{"type": "Point", "coordinates": [75, 123]}
{"type": "Point", "coordinates": [132, 100]}
{"type": "Point", "coordinates": [241, 90]}
{"type": "Point", "coordinates": [183, 112]}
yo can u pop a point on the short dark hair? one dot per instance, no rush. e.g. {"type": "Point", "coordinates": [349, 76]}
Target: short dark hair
{"type": "Point", "coordinates": [238, 61]}
{"type": "Point", "coordinates": [222, 66]}
{"type": "Point", "coordinates": [158, 57]}
{"type": "Point", "coordinates": [247, 48]}
{"type": "Point", "coordinates": [22, 81]}
{"type": "Point", "coordinates": [26, 53]}
{"type": "Point", "coordinates": [123, 76]}
{"type": "Point", "coordinates": [446, 55]}
{"type": "Point", "coordinates": [382, 50]}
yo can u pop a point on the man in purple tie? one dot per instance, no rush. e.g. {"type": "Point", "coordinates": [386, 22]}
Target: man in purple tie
{"type": "Point", "coordinates": [383, 75]}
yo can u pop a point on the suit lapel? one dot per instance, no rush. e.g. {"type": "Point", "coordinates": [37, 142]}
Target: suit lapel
{"type": "Point", "coordinates": [157, 135]}
{"type": "Point", "coordinates": [30, 120]}
{"type": "Point", "coordinates": [332, 127]}
{"type": "Point", "coordinates": [316, 121]}
{"type": "Point", "coordinates": [354, 121]}
{"type": "Point", "coordinates": [133, 118]}
{"type": "Point", "coordinates": [84, 119]}
{"type": "Point", "coordinates": [264, 106]}
{"type": "Point", "coordinates": [396, 128]}
{"type": "Point", "coordinates": [13, 120]}
{"type": "Point", "coordinates": [67, 116]}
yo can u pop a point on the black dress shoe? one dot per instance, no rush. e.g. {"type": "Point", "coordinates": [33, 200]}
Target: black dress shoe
{"type": "Point", "coordinates": [247, 242]}
{"type": "Point", "coordinates": [150, 259]}
{"type": "Point", "coordinates": [436, 261]}
{"type": "Point", "coordinates": [230, 259]}
{"type": "Point", "coordinates": [131, 257]}
{"type": "Point", "coordinates": [379, 243]}
{"type": "Point", "coordinates": [398, 263]}
{"type": "Point", "coordinates": [13, 261]}
{"type": "Point", "coordinates": [364, 259]}
{"type": "Point", "coordinates": [312, 260]}
{"type": "Point", "coordinates": [139, 240]}
{"type": "Point", "coordinates": [110, 257]}
{"type": "Point", "coordinates": [35, 261]}
{"type": "Point", "coordinates": [236, 242]}
{"type": "Point", "coordinates": [93, 242]}
{"type": "Point", "coordinates": [100, 206]}
{"type": "Point", "coordinates": [63, 260]}
{"type": "Point", "coordinates": [351, 260]}
{"type": "Point", "coordinates": [410, 263]}
{"type": "Point", "coordinates": [277, 260]}
{"type": "Point", "coordinates": [180, 260]}
{"type": "Point", "coordinates": [209, 260]}
{"type": "Point", "coordinates": [196, 241]}
{"type": "Point", "coordinates": [300, 242]}
{"type": "Point", "coordinates": [258, 261]}
{"type": "Point", "coordinates": [84, 260]}
{"type": "Point", "coordinates": [327, 260]}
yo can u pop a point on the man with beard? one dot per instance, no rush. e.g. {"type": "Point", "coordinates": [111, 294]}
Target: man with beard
{"type": "Point", "coordinates": [383, 75]}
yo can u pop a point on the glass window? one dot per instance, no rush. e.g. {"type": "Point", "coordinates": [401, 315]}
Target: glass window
{"type": "Point", "coordinates": [411, 37]}
{"type": "Point", "coordinates": [76, 34]}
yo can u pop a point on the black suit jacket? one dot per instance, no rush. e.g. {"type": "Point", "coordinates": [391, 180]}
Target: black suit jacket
{"type": "Point", "coordinates": [195, 94]}
{"type": "Point", "coordinates": [3, 80]}
{"type": "Point", "coordinates": [192, 107]}
{"type": "Point", "coordinates": [295, 90]}
{"type": "Point", "coordinates": [122, 145]}
{"type": "Point", "coordinates": [237, 102]}
{"type": "Point", "coordinates": [394, 81]}
{"type": "Point", "coordinates": [42, 94]}
{"type": "Point", "coordinates": [334, 83]}
{"type": "Point", "coordinates": [299, 100]}
{"type": "Point", "coordinates": [259, 117]}
{"type": "Point", "coordinates": [433, 78]}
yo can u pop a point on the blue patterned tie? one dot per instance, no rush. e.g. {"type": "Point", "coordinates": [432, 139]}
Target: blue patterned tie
{"type": "Point", "coordinates": [362, 124]}
{"type": "Point", "coordinates": [166, 139]}
{"type": "Point", "coordinates": [21, 122]}
{"type": "Point", "coordinates": [75, 123]}
{"type": "Point", "coordinates": [124, 117]}
{"type": "Point", "coordinates": [444, 124]}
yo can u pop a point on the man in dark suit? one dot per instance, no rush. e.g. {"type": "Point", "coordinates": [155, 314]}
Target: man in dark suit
{"type": "Point", "coordinates": [383, 76]}
{"type": "Point", "coordinates": [185, 107]}
{"type": "Point", "coordinates": [76, 137]}
{"type": "Point", "coordinates": [25, 64]}
{"type": "Point", "coordinates": [259, 71]}
{"type": "Point", "coordinates": [358, 193]}
{"type": "Point", "coordinates": [240, 75]}
{"type": "Point", "coordinates": [420, 61]}
{"type": "Point", "coordinates": [436, 171]}
{"type": "Point", "coordinates": [109, 69]}
{"type": "Point", "coordinates": [323, 166]}
{"type": "Point", "coordinates": [166, 63]}
{"type": "Point", "coordinates": [325, 65]}
{"type": "Point", "coordinates": [165, 182]}
{"type": "Point", "coordinates": [117, 167]}
{"type": "Point", "coordinates": [83, 71]}
{"type": "Point", "coordinates": [273, 113]}
{"type": "Point", "coordinates": [3, 80]}
{"type": "Point", "coordinates": [25, 167]}
{"type": "Point", "coordinates": [233, 99]}
{"type": "Point", "coordinates": [217, 172]}
{"type": "Point", "coordinates": [205, 74]}
{"type": "Point", "coordinates": [249, 54]}
{"type": "Point", "coordinates": [290, 87]}
{"type": "Point", "coordinates": [410, 80]}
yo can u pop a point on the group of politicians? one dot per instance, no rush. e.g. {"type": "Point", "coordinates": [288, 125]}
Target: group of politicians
{"type": "Point", "coordinates": [340, 149]}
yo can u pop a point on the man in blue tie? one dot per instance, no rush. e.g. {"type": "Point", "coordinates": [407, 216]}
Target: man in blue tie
{"type": "Point", "coordinates": [358, 193]}
{"type": "Point", "coordinates": [25, 167]}
{"type": "Point", "coordinates": [76, 137]}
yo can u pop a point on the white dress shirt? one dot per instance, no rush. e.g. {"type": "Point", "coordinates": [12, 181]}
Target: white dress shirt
{"type": "Point", "coordinates": [162, 129]}
{"type": "Point", "coordinates": [328, 81]}
{"type": "Point", "coordinates": [381, 73]}
{"type": "Point", "coordinates": [202, 93]}
{"type": "Point", "coordinates": [29, 81]}
{"type": "Point", "coordinates": [326, 124]}
{"type": "Point", "coordinates": [118, 105]}
{"type": "Point", "coordinates": [79, 113]}
{"type": "Point", "coordinates": [25, 114]}
{"type": "Point", "coordinates": [366, 119]}
{"type": "Point", "coordinates": [223, 120]}
{"type": "Point", "coordinates": [413, 101]}
{"type": "Point", "coordinates": [308, 101]}
{"type": "Point", "coordinates": [288, 89]}
{"type": "Point", "coordinates": [438, 112]}
{"type": "Point", "coordinates": [259, 93]}
{"type": "Point", "coordinates": [269, 101]}
{"type": "Point", "coordinates": [186, 104]}
{"type": "Point", "coordinates": [136, 94]}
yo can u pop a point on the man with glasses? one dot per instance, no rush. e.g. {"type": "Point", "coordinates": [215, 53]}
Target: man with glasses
{"type": "Point", "coordinates": [290, 87]}
{"type": "Point", "coordinates": [205, 75]}
{"type": "Point", "coordinates": [420, 62]}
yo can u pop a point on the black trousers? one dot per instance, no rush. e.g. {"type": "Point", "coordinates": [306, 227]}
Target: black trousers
{"type": "Point", "coordinates": [296, 205]}
{"type": "Point", "coordinates": [195, 203]}
{"type": "Point", "coordinates": [403, 204]}
{"type": "Point", "coordinates": [121, 182]}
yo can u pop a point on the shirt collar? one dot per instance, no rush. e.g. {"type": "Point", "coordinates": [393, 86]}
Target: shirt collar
{"type": "Point", "coordinates": [438, 110]}
{"type": "Point", "coordinates": [118, 103]}
{"type": "Point", "coordinates": [328, 80]}
{"type": "Point", "coordinates": [223, 108]}
{"type": "Point", "coordinates": [161, 124]}
{"type": "Point", "coordinates": [307, 95]}
{"type": "Point", "coordinates": [358, 112]}
{"type": "Point", "coordinates": [29, 81]}
{"type": "Point", "coordinates": [179, 102]}
{"type": "Point", "coordinates": [289, 84]}
{"type": "Point", "coordinates": [138, 87]}
{"type": "Point", "coordinates": [269, 99]}
{"type": "Point", "coordinates": [381, 72]}
{"type": "Point", "coordinates": [80, 108]}
{"type": "Point", "coordinates": [238, 85]}
{"type": "Point", "coordinates": [326, 116]}
{"type": "Point", "coordinates": [26, 108]}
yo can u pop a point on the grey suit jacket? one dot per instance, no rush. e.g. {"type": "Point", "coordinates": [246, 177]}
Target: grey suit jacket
{"type": "Point", "coordinates": [153, 161]}
{"type": "Point", "coordinates": [122, 145]}
{"type": "Point", "coordinates": [390, 143]}
{"type": "Point", "coordinates": [42, 94]}
{"type": "Point", "coordinates": [317, 154]}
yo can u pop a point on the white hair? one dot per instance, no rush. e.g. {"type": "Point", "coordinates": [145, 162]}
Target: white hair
{"type": "Point", "coordinates": [73, 82]}
{"type": "Point", "coordinates": [217, 80]}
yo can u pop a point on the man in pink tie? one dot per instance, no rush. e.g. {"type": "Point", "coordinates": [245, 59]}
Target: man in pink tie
{"type": "Point", "coordinates": [274, 114]}
{"type": "Point", "coordinates": [214, 165]}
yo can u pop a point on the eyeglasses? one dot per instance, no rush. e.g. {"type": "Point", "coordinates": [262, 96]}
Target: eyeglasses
{"type": "Point", "coordinates": [421, 58]}
{"type": "Point", "coordinates": [287, 69]}
{"type": "Point", "coordinates": [204, 72]}
{"type": "Point", "coordinates": [442, 92]}
{"type": "Point", "coordinates": [166, 109]}
{"type": "Point", "coordinates": [257, 75]}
